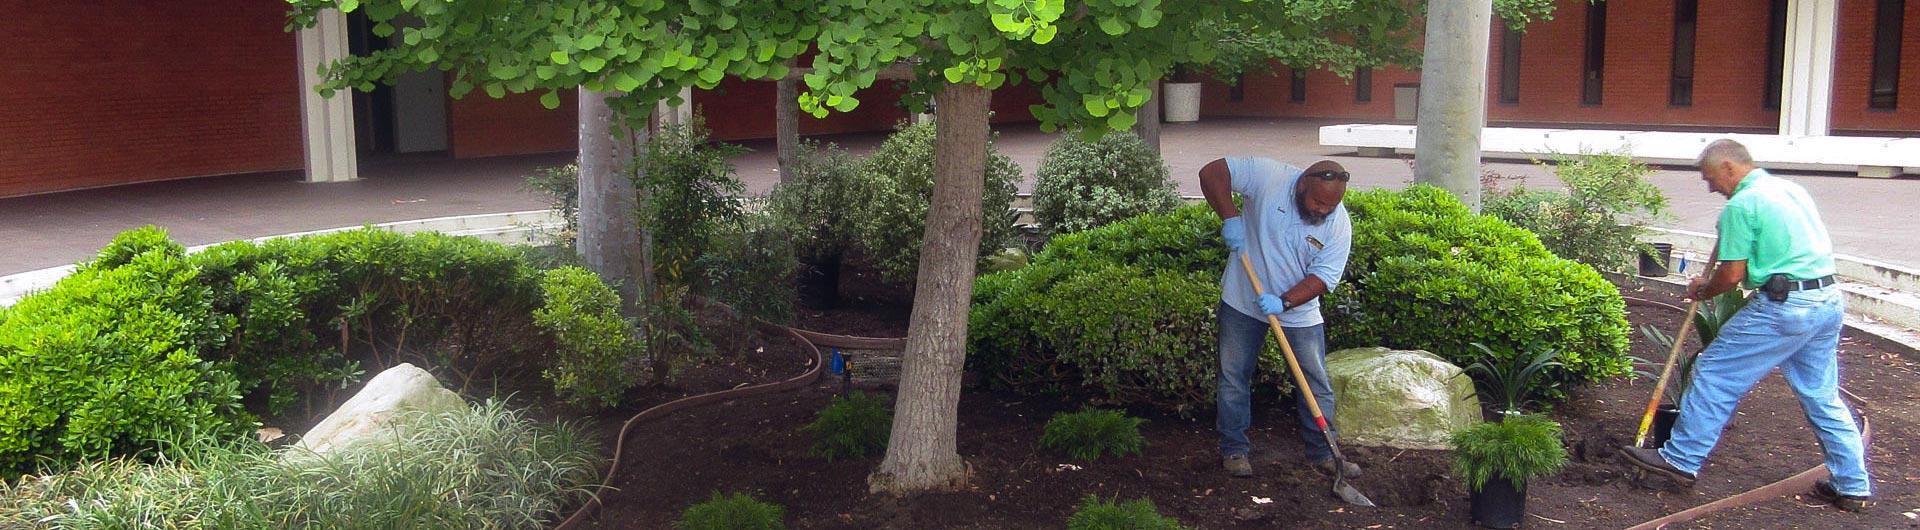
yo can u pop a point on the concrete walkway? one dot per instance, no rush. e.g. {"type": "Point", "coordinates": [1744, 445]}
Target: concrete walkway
{"type": "Point", "coordinates": [1867, 217]}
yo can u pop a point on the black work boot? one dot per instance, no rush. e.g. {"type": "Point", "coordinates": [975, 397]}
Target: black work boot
{"type": "Point", "coordinates": [1238, 466]}
{"type": "Point", "coordinates": [1823, 490]}
{"type": "Point", "coordinates": [1650, 460]}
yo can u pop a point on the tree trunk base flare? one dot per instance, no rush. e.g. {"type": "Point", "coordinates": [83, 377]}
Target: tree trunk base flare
{"type": "Point", "coordinates": [922, 454]}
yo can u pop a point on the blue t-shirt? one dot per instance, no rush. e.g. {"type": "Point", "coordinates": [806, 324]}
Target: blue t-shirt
{"type": "Point", "coordinates": [1284, 248]}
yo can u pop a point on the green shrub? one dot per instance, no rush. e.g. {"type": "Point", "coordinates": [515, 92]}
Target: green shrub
{"type": "Point", "coordinates": [1124, 312]}
{"type": "Point", "coordinates": [853, 426]}
{"type": "Point", "coordinates": [1597, 221]}
{"type": "Point", "coordinates": [1515, 380]}
{"type": "Point", "coordinates": [690, 196]}
{"type": "Point", "coordinates": [1518, 449]}
{"type": "Point", "coordinates": [112, 360]}
{"type": "Point", "coordinates": [485, 467]}
{"type": "Point", "coordinates": [1127, 310]}
{"type": "Point", "coordinates": [739, 511]}
{"type": "Point", "coordinates": [1425, 273]}
{"type": "Point", "coordinates": [1087, 434]}
{"type": "Point", "coordinates": [894, 203]}
{"type": "Point", "coordinates": [1137, 514]}
{"type": "Point", "coordinates": [820, 201]}
{"type": "Point", "coordinates": [1082, 185]}
{"type": "Point", "coordinates": [593, 343]}
{"type": "Point", "coordinates": [751, 267]}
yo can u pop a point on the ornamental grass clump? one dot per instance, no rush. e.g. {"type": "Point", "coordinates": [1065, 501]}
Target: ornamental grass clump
{"type": "Point", "coordinates": [852, 426]}
{"type": "Point", "coordinates": [739, 511]}
{"type": "Point", "coordinates": [1517, 449]}
{"type": "Point", "coordinates": [1109, 514]}
{"type": "Point", "coordinates": [1087, 434]}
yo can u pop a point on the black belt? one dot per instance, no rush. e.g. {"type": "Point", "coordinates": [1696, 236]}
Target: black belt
{"type": "Point", "coordinates": [1808, 285]}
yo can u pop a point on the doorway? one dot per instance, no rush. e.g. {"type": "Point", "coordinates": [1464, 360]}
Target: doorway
{"type": "Point", "coordinates": [407, 118]}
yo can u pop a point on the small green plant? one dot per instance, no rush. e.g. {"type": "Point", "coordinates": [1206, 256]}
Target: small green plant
{"type": "Point", "coordinates": [894, 203]}
{"type": "Point", "coordinates": [738, 511]}
{"type": "Point", "coordinates": [1518, 449]}
{"type": "Point", "coordinates": [852, 426]}
{"type": "Point", "coordinates": [1137, 514]}
{"type": "Point", "coordinates": [1087, 434]}
{"type": "Point", "coordinates": [1713, 314]}
{"type": "Point", "coordinates": [1515, 380]}
{"type": "Point", "coordinates": [689, 196]}
{"type": "Point", "coordinates": [561, 187]}
{"type": "Point", "coordinates": [819, 203]}
{"type": "Point", "coordinates": [750, 267]}
{"type": "Point", "coordinates": [1084, 184]}
{"type": "Point", "coordinates": [593, 343]}
{"type": "Point", "coordinates": [1598, 220]}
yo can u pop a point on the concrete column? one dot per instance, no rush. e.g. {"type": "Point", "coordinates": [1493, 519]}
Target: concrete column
{"type": "Point", "coordinates": [326, 123]}
{"type": "Point", "coordinates": [676, 114]}
{"type": "Point", "coordinates": [1453, 97]}
{"type": "Point", "coordinates": [1806, 95]}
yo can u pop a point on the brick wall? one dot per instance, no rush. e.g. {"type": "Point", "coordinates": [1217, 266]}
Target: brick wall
{"type": "Point", "coordinates": [1853, 70]}
{"type": "Point", "coordinates": [104, 93]}
{"type": "Point", "coordinates": [481, 126]}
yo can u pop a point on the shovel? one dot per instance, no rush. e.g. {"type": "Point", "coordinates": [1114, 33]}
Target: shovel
{"type": "Point", "coordinates": [1345, 491]}
{"type": "Point", "coordinates": [1666, 371]}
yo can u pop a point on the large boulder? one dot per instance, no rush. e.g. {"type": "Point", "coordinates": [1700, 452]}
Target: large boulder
{"type": "Point", "coordinates": [1408, 399]}
{"type": "Point", "coordinates": [367, 415]}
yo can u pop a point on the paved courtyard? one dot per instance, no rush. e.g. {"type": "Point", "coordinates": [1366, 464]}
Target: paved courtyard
{"type": "Point", "coordinates": [1868, 217]}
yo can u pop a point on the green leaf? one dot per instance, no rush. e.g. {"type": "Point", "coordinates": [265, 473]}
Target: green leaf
{"type": "Point", "coordinates": [495, 91]}
{"type": "Point", "coordinates": [347, 6]}
{"type": "Point", "coordinates": [383, 30]}
{"type": "Point", "coordinates": [411, 37]}
{"type": "Point", "coordinates": [591, 41]}
{"type": "Point", "coordinates": [955, 73]}
{"type": "Point", "coordinates": [1112, 26]}
{"type": "Point", "coordinates": [428, 55]}
{"type": "Point", "coordinates": [550, 100]}
{"type": "Point", "coordinates": [544, 72]}
{"type": "Point", "coordinates": [592, 63]}
{"type": "Point", "coordinates": [712, 75]}
{"type": "Point", "coordinates": [1120, 121]}
{"type": "Point", "coordinates": [1045, 34]}
{"type": "Point", "coordinates": [1005, 23]}
{"type": "Point", "coordinates": [625, 82]}
{"type": "Point", "coordinates": [1096, 105]}
{"type": "Point", "coordinates": [559, 57]}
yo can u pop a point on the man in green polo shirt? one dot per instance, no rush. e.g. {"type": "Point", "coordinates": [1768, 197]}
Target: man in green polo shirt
{"type": "Point", "coordinates": [1771, 239]}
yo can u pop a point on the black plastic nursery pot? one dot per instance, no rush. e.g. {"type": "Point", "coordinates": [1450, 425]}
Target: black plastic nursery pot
{"type": "Point", "coordinates": [1655, 262]}
{"type": "Point", "coordinates": [1497, 504]}
{"type": "Point", "coordinates": [818, 283]}
{"type": "Point", "coordinates": [1663, 419]}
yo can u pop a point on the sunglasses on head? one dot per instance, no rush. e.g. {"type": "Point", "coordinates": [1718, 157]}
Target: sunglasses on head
{"type": "Point", "coordinates": [1331, 175]}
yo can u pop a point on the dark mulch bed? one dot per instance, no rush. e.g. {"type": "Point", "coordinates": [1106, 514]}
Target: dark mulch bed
{"type": "Point", "coordinates": [755, 445]}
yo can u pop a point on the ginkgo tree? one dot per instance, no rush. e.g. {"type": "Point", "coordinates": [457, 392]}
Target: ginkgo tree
{"type": "Point", "coordinates": [1092, 60]}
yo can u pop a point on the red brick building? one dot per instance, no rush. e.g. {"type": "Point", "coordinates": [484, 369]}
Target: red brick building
{"type": "Point", "coordinates": [94, 95]}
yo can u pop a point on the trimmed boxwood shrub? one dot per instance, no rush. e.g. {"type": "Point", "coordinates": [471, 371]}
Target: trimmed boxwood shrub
{"type": "Point", "coordinates": [893, 205]}
{"type": "Point", "coordinates": [1125, 311]}
{"type": "Point", "coordinates": [145, 344]}
{"type": "Point", "coordinates": [1085, 184]}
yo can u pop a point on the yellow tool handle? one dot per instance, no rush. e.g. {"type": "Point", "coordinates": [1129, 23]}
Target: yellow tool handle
{"type": "Point", "coordinates": [1293, 364]}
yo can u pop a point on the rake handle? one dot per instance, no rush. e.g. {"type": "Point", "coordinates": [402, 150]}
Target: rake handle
{"type": "Point", "coordinates": [1666, 369]}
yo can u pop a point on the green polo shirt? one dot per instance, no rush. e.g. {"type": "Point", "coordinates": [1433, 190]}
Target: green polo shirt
{"type": "Point", "coordinates": [1773, 225]}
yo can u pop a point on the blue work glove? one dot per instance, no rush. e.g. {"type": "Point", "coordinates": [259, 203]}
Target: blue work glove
{"type": "Point", "coordinates": [1234, 230]}
{"type": "Point", "coordinates": [1272, 304]}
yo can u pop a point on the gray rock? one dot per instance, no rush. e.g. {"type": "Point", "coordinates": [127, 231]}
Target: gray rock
{"type": "Point", "coordinates": [367, 415]}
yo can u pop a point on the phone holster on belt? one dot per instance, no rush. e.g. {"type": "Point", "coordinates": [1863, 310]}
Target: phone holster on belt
{"type": "Point", "coordinates": [1776, 287]}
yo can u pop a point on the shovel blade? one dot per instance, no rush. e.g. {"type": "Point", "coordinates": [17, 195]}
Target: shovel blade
{"type": "Point", "coordinates": [1347, 493]}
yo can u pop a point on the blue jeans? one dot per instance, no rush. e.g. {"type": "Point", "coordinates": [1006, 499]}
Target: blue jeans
{"type": "Point", "coordinates": [1241, 339]}
{"type": "Point", "coordinates": [1800, 336]}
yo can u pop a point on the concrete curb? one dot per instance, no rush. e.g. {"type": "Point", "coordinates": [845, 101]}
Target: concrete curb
{"type": "Point", "coordinates": [1903, 337]}
{"type": "Point", "coordinates": [521, 227]}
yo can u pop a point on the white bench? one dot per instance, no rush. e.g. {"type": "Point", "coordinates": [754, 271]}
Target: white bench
{"type": "Point", "coordinates": [1865, 155]}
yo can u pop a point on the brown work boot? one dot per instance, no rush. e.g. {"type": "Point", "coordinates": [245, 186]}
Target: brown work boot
{"type": "Point", "coordinates": [1823, 490]}
{"type": "Point", "coordinates": [1238, 466]}
{"type": "Point", "coordinates": [1326, 466]}
{"type": "Point", "coordinates": [1650, 460]}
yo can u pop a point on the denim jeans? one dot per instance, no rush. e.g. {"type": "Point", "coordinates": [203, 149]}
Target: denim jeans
{"type": "Point", "coordinates": [1800, 336]}
{"type": "Point", "coordinates": [1241, 339]}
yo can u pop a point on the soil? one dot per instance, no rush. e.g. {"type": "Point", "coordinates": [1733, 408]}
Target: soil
{"type": "Point", "coordinates": [755, 445]}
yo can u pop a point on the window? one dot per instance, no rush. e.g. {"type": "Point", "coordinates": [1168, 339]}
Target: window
{"type": "Point", "coordinates": [1686, 17]}
{"type": "Point", "coordinates": [1363, 85]}
{"type": "Point", "coordinates": [1596, 53]}
{"type": "Point", "coordinates": [1884, 91]}
{"type": "Point", "coordinates": [1509, 64]}
{"type": "Point", "coordinates": [1238, 92]}
{"type": "Point", "coordinates": [1776, 56]}
{"type": "Point", "coordinates": [1298, 92]}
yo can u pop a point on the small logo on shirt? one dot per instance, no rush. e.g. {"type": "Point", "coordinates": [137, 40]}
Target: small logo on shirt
{"type": "Point", "coordinates": [1317, 245]}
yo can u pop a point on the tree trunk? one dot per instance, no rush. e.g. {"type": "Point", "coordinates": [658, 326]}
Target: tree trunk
{"type": "Point", "coordinates": [1453, 97]}
{"type": "Point", "coordinates": [921, 455]}
{"type": "Point", "coordinates": [1147, 126]}
{"type": "Point", "coordinates": [786, 124]}
{"type": "Point", "coordinates": [609, 236]}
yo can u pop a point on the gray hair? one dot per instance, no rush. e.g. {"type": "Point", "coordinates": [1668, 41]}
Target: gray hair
{"type": "Point", "coordinates": [1725, 150]}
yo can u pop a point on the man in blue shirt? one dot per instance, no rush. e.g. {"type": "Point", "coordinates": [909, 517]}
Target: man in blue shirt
{"type": "Point", "coordinates": [1297, 234]}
